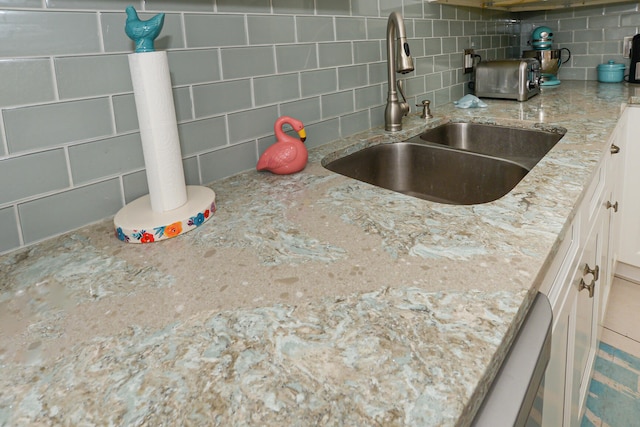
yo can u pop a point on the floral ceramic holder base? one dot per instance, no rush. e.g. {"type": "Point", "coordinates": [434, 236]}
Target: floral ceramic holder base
{"type": "Point", "coordinates": [138, 223]}
{"type": "Point", "coordinates": [171, 208]}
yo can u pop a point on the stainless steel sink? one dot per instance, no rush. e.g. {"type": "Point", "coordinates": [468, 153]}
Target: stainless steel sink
{"type": "Point", "coordinates": [433, 173]}
{"type": "Point", "coordinates": [455, 163]}
{"type": "Point", "coordinates": [524, 146]}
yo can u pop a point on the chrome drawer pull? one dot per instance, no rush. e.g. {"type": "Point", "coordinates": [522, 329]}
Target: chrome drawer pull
{"type": "Point", "coordinates": [594, 271]}
{"type": "Point", "coordinates": [614, 206]}
{"type": "Point", "coordinates": [590, 287]}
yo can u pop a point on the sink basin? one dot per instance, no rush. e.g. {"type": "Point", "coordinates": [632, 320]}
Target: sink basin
{"type": "Point", "coordinates": [524, 146]}
{"type": "Point", "coordinates": [432, 172]}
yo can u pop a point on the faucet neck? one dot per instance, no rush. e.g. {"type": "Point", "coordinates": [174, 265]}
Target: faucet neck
{"type": "Point", "coordinates": [396, 62]}
{"type": "Point", "coordinates": [395, 25]}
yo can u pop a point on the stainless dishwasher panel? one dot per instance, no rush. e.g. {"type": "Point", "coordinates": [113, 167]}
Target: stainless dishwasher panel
{"type": "Point", "coordinates": [518, 384]}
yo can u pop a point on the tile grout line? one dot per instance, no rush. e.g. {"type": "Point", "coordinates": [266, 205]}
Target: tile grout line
{"type": "Point", "coordinates": [621, 335]}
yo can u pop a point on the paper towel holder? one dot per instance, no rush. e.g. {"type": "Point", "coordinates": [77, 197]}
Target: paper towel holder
{"type": "Point", "coordinates": [171, 208]}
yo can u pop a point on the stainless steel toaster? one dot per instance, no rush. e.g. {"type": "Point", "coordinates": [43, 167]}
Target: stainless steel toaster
{"type": "Point", "coordinates": [517, 79]}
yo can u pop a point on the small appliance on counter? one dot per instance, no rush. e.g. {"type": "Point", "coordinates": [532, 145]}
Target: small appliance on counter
{"type": "Point", "coordinates": [634, 67]}
{"type": "Point", "coordinates": [517, 79]}
{"type": "Point", "coordinates": [550, 59]}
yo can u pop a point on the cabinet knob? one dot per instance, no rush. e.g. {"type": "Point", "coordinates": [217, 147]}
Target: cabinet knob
{"type": "Point", "coordinates": [614, 206]}
{"type": "Point", "coordinates": [590, 287]}
{"type": "Point", "coordinates": [594, 271]}
{"type": "Point", "coordinates": [614, 149]}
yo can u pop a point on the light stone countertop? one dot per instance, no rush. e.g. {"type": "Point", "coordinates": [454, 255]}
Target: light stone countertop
{"type": "Point", "coordinates": [308, 299]}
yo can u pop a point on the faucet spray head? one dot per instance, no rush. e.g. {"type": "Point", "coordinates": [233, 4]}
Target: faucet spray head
{"type": "Point", "coordinates": [404, 61]}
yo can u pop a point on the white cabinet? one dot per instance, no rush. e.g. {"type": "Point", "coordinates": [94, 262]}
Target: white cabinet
{"type": "Point", "coordinates": [613, 203]}
{"type": "Point", "coordinates": [587, 290]}
{"type": "Point", "coordinates": [630, 198]}
{"type": "Point", "coordinates": [562, 297]}
{"type": "Point", "coordinates": [577, 285]}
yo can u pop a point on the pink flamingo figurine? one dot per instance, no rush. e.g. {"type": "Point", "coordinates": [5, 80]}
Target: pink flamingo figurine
{"type": "Point", "coordinates": [288, 154]}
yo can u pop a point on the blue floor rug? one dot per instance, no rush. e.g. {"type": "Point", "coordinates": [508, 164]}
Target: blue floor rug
{"type": "Point", "coordinates": [614, 392]}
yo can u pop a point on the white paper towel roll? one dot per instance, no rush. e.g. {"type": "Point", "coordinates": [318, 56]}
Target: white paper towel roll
{"type": "Point", "coordinates": [158, 130]}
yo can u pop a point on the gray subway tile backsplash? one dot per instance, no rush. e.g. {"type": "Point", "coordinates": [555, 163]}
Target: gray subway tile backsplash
{"type": "Point", "coordinates": [351, 77]}
{"type": "Point", "coordinates": [9, 233]}
{"type": "Point", "coordinates": [191, 171]}
{"type": "Point", "coordinates": [227, 161]}
{"type": "Point", "coordinates": [315, 29]}
{"type": "Point", "coordinates": [33, 174]}
{"type": "Point", "coordinates": [49, 125]}
{"type": "Point", "coordinates": [354, 123]}
{"type": "Point", "coordinates": [367, 51]}
{"type": "Point", "coordinates": [106, 157]}
{"type": "Point", "coordinates": [247, 61]}
{"type": "Point", "coordinates": [69, 210]}
{"type": "Point", "coordinates": [274, 89]}
{"type": "Point", "coordinates": [377, 28]}
{"type": "Point", "coordinates": [204, 30]}
{"type": "Point", "coordinates": [296, 57]}
{"type": "Point", "coordinates": [336, 104]}
{"type": "Point", "coordinates": [367, 97]}
{"type": "Point", "coordinates": [204, 135]}
{"type": "Point", "coordinates": [365, 8]}
{"type": "Point", "coordinates": [319, 81]}
{"type": "Point", "coordinates": [251, 124]}
{"type": "Point", "coordinates": [351, 28]}
{"type": "Point", "coordinates": [335, 54]}
{"type": "Point", "coordinates": [293, 6]}
{"type": "Point", "coordinates": [183, 103]}
{"type": "Point", "coordinates": [183, 5]}
{"type": "Point", "coordinates": [67, 108]}
{"type": "Point", "coordinates": [26, 81]}
{"type": "Point", "coordinates": [266, 29]}
{"type": "Point", "coordinates": [307, 110]}
{"type": "Point", "coordinates": [629, 20]}
{"type": "Point", "coordinates": [86, 76]}
{"type": "Point", "coordinates": [90, 4]}
{"type": "Point", "coordinates": [244, 6]}
{"type": "Point", "coordinates": [35, 33]}
{"type": "Point", "coordinates": [21, 3]}
{"type": "Point", "coordinates": [194, 66]}
{"type": "Point", "coordinates": [322, 132]}
{"type": "Point", "coordinates": [124, 111]}
{"type": "Point", "coordinates": [219, 98]}
{"type": "Point", "coordinates": [135, 185]}
{"type": "Point", "coordinates": [333, 7]}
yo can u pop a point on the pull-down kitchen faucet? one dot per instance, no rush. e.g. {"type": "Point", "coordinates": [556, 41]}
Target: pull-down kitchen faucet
{"type": "Point", "coordinates": [398, 61]}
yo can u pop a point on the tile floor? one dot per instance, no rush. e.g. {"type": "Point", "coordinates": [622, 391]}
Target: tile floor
{"type": "Point", "coordinates": [614, 391]}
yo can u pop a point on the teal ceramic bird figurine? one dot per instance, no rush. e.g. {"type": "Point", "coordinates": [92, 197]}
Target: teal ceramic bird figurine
{"type": "Point", "coordinates": [143, 33]}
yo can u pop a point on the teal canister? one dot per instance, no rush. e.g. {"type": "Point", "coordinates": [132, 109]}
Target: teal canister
{"type": "Point", "coordinates": [611, 72]}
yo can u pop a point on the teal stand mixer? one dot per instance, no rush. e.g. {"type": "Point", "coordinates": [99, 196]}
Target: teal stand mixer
{"type": "Point", "coordinates": [550, 59]}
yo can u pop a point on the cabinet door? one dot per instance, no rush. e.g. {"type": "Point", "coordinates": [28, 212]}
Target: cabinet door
{"type": "Point", "coordinates": [585, 324]}
{"type": "Point", "coordinates": [630, 203]}
{"type": "Point", "coordinates": [613, 204]}
{"type": "Point", "coordinates": [563, 297]}
{"type": "Point", "coordinates": [555, 384]}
